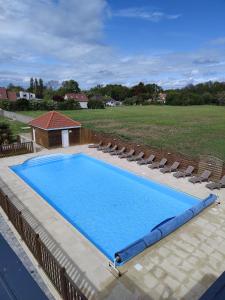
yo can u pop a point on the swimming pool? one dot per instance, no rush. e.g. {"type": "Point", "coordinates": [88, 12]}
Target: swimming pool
{"type": "Point", "coordinates": [113, 208]}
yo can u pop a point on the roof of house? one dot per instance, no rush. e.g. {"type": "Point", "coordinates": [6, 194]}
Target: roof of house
{"type": "Point", "coordinates": [3, 93]}
{"type": "Point", "coordinates": [78, 97]}
{"type": "Point", "coordinates": [54, 120]}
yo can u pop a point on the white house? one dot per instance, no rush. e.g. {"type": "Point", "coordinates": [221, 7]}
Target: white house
{"type": "Point", "coordinates": [113, 103]}
{"type": "Point", "coordinates": [79, 97]}
{"type": "Point", "coordinates": [26, 95]}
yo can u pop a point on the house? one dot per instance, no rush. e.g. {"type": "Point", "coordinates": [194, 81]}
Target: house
{"type": "Point", "coordinates": [7, 95]}
{"type": "Point", "coordinates": [12, 96]}
{"type": "Point", "coordinates": [26, 95]}
{"type": "Point", "coordinates": [111, 102]}
{"type": "Point", "coordinates": [54, 129]}
{"type": "Point", "coordinates": [79, 97]}
{"type": "Point", "coordinates": [3, 94]}
{"type": "Point", "coordinates": [161, 98]}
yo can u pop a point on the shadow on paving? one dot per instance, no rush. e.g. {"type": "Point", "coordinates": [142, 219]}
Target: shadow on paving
{"type": "Point", "coordinates": [15, 281]}
{"type": "Point", "coordinates": [124, 288]}
{"type": "Point", "coordinates": [200, 288]}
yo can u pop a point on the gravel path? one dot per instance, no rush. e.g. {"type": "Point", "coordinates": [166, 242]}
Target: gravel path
{"type": "Point", "coordinates": [14, 244]}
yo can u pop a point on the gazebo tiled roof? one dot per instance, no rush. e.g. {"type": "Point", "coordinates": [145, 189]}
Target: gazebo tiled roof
{"type": "Point", "coordinates": [54, 120]}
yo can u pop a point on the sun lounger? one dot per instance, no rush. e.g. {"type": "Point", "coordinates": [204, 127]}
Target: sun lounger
{"type": "Point", "coordinates": [216, 185]}
{"type": "Point", "coordinates": [146, 161]}
{"type": "Point", "coordinates": [111, 149]}
{"type": "Point", "coordinates": [95, 145]}
{"type": "Point", "coordinates": [128, 154]}
{"type": "Point", "coordinates": [101, 148]}
{"type": "Point", "coordinates": [118, 152]}
{"type": "Point", "coordinates": [136, 157]}
{"type": "Point", "coordinates": [159, 164]}
{"type": "Point", "coordinates": [184, 173]}
{"type": "Point", "coordinates": [170, 169]}
{"type": "Point", "coordinates": [203, 177]}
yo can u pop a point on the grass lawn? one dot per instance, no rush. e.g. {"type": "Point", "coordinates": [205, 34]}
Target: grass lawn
{"type": "Point", "coordinates": [15, 126]}
{"type": "Point", "coordinates": [191, 130]}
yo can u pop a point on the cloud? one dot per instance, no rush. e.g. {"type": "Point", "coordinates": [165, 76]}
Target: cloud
{"type": "Point", "coordinates": [219, 41]}
{"type": "Point", "coordinates": [145, 14]}
{"type": "Point", "coordinates": [63, 40]}
{"type": "Point", "coordinates": [205, 61]}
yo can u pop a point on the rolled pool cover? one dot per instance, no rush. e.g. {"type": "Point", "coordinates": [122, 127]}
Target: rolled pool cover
{"type": "Point", "coordinates": [162, 230]}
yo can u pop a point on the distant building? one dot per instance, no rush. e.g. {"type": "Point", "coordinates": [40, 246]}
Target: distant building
{"type": "Point", "coordinates": [161, 98]}
{"type": "Point", "coordinates": [26, 95]}
{"type": "Point", "coordinates": [7, 95]}
{"type": "Point", "coordinates": [79, 97]}
{"type": "Point", "coordinates": [112, 103]}
{"type": "Point", "coordinates": [3, 94]}
{"type": "Point", "coordinates": [12, 96]}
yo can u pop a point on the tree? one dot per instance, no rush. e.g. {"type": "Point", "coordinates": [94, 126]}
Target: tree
{"type": "Point", "coordinates": [96, 104]}
{"type": "Point", "coordinates": [69, 86]}
{"type": "Point", "coordinates": [58, 98]}
{"type": "Point", "coordinates": [31, 88]}
{"type": "Point", "coordinates": [48, 94]}
{"type": "Point", "coordinates": [5, 134]}
{"type": "Point", "coordinates": [40, 89]}
{"type": "Point", "coordinates": [35, 86]}
{"type": "Point", "coordinates": [221, 98]}
{"type": "Point", "coordinates": [14, 88]}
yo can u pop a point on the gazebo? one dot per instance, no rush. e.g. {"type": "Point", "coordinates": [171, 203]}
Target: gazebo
{"type": "Point", "coordinates": [54, 129]}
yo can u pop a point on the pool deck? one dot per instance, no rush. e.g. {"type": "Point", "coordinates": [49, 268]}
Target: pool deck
{"type": "Point", "coordinates": [181, 266]}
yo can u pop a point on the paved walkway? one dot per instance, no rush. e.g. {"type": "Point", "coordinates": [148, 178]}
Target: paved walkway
{"type": "Point", "coordinates": [181, 266]}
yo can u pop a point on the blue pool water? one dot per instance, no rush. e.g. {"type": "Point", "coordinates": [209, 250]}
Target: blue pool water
{"type": "Point", "coordinates": [110, 206]}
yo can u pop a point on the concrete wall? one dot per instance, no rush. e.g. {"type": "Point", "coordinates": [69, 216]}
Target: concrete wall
{"type": "Point", "coordinates": [83, 104]}
{"type": "Point", "coordinates": [15, 116]}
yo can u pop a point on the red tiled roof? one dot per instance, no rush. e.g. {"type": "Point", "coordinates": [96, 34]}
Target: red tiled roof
{"type": "Point", "coordinates": [54, 120]}
{"type": "Point", "coordinates": [12, 96]}
{"type": "Point", "coordinates": [3, 93]}
{"type": "Point", "coordinates": [78, 97]}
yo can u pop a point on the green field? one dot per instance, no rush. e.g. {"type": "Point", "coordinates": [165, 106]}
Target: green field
{"type": "Point", "coordinates": [191, 130]}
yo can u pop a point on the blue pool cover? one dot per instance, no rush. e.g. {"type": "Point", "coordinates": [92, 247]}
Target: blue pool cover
{"type": "Point", "coordinates": [15, 280]}
{"type": "Point", "coordinates": [121, 213]}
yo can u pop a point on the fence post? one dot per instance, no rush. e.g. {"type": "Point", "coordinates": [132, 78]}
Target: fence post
{"type": "Point", "coordinates": [21, 225]}
{"type": "Point", "coordinates": [63, 284]}
{"type": "Point", "coordinates": [7, 206]}
{"type": "Point", "coordinates": [38, 248]}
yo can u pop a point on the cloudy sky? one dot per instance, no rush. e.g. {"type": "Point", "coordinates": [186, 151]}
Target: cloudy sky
{"type": "Point", "coordinates": [170, 42]}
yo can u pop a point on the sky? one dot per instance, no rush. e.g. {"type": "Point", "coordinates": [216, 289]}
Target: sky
{"type": "Point", "coordinates": [169, 42]}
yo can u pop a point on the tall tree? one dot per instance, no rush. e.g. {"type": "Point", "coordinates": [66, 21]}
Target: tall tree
{"type": "Point", "coordinates": [40, 88]}
{"type": "Point", "coordinates": [35, 86]}
{"type": "Point", "coordinates": [31, 85]}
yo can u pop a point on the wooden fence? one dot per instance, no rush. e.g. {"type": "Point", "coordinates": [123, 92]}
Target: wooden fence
{"type": "Point", "coordinates": [16, 149]}
{"type": "Point", "coordinates": [56, 273]}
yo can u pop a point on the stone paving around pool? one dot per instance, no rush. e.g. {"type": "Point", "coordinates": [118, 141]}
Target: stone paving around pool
{"type": "Point", "coordinates": [181, 266]}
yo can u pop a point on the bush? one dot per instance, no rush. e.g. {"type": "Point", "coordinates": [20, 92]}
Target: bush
{"type": "Point", "coordinates": [130, 101]}
{"type": "Point", "coordinates": [96, 104]}
{"type": "Point", "coordinates": [23, 104]}
{"type": "Point", "coordinates": [6, 136]}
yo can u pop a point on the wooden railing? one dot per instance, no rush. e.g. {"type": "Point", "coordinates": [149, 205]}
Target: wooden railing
{"type": "Point", "coordinates": [16, 149]}
{"type": "Point", "coordinates": [56, 273]}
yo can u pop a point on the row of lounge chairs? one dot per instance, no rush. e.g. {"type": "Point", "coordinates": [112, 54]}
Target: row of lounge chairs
{"type": "Point", "coordinates": [139, 158]}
